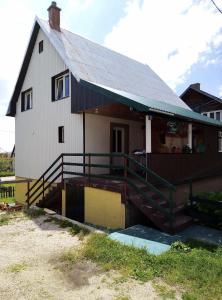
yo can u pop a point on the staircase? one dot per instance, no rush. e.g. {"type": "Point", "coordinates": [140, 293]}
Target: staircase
{"type": "Point", "coordinates": [152, 196]}
{"type": "Point", "coordinates": [52, 199]}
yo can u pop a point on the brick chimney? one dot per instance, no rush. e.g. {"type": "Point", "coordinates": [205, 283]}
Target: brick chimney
{"type": "Point", "coordinates": [195, 86]}
{"type": "Point", "coordinates": [54, 16]}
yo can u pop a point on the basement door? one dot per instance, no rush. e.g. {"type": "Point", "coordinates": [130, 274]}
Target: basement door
{"type": "Point", "coordinates": [75, 203]}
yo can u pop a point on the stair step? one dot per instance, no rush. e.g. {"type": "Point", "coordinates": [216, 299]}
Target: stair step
{"type": "Point", "coordinates": [181, 222]}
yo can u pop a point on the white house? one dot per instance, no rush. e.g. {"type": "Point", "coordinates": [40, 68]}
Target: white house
{"type": "Point", "coordinates": [75, 96]}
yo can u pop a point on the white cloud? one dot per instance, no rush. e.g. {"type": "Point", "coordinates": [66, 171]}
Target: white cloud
{"type": "Point", "coordinates": [16, 21]}
{"type": "Point", "coordinates": [169, 36]}
{"type": "Point", "coordinates": [220, 91]}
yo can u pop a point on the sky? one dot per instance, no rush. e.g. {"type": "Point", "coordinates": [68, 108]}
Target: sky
{"type": "Point", "coordinates": [180, 40]}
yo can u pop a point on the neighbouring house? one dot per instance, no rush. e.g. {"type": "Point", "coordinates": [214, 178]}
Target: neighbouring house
{"type": "Point", "coordinates": [103, 138]}
{"type": "Point", "coordinates": [202, 102]}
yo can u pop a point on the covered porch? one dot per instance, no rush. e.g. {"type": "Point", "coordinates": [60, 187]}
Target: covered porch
{"type": "Point", "coordinates": [174, 148]}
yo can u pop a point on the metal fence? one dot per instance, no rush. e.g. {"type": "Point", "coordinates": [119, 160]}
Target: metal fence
{"type": "Point", "coordinates": [7, 192]}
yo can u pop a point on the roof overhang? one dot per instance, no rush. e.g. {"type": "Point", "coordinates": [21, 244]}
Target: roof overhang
{"type": "Point", "coordinates": [145, 105]}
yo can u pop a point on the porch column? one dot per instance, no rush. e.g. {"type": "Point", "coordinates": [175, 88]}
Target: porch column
{"type": "Point", "coordinates": [148, 134]}
{"type": "Point", "coordinates": [190, 136]}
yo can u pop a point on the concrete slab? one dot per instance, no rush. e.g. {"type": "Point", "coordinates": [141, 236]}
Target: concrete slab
{"type": "Point", "coordinates": [157, 242]}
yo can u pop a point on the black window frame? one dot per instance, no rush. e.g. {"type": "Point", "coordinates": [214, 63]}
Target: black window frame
{"type": "Point", "coordinates": [41, 46]}
{"type": "Point", "coordinates": [54, 80]}
{"type": "Point", "coordinates": [23, 100]}
{"type": "Point", "coordinates": [61, 134]}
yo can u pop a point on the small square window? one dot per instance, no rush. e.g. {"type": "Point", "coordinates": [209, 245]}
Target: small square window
{"type": "Point", "coordinates": [40, 46]}
{"type": "Point", "coordinates": [212, 115]}
{"type": "Point", "coordinates": [218, 115]}
{"type": "Point", "coordinates": [61, 134]}
{"type": "Point", "coordinates": [26, 100]}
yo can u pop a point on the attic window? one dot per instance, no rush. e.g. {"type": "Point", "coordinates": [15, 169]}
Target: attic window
{"type": "Point", "coordinates": [60, 86]}
{"type": "Point", "coordinates": [26, 100]}
{"type": "Point", "coordinates": [40, 46]}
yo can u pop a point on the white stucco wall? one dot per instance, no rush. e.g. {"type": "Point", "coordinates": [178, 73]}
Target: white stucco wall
{"type": "Point", "coordinates": [36, 130]}
{"type": "Point", "coordinates": [98, 133]}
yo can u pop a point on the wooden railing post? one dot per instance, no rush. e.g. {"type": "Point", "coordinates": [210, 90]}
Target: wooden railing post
{"type": "Point", "coordinates": [43, 188]}
{"type": "Point", "coordinates": [28, 185]}
{"type": "Point", "coordinates": [62, 171]}
{"type": "Point", "coordinates": [125, 177]}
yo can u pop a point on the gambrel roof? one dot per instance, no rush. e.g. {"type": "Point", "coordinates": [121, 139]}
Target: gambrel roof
{"type": "Point", "coordinates": [91, 62]}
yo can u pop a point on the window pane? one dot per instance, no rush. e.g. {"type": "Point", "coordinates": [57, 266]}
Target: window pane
{"type": "Point", "coordinates": [212, 115]}
{"type": "Point", "coordinates": [61, 134]}
{"type": "Point", "coordinates": [66, 85]}
{"type": "Point", "coordinates": [205, 114]}
{"type": "Point", "coordinates": [119, 141]}
{"type": "Point", "coordinates": [218, 115]}
{"type": "Point", "coordinates": [114, 141]}
{"type": "Point", "coordinates": [59, 92]}
{"type": "Point", "coordinates": [28, 99]}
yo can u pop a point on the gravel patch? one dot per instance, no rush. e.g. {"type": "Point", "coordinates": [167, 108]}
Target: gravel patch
{"type": "Point", "coordinates": [31, 268]}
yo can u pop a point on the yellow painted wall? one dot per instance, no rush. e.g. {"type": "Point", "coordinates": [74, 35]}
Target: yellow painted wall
{"type": "Point", "coordinates": [104, 208]}
{"type": "Point", "coordinates": [21, 190]}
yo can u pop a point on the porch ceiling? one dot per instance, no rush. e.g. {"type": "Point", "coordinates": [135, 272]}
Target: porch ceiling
{"type": "Point", "coordinates": [117, 110]}
{"type": "Point", "coordinates": [145, 105]}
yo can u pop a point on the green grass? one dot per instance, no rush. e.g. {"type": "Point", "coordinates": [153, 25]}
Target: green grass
{"type": "Point", "coordinates": [198, 272]}
{"type": "Point", "coordinates": [8, 200]}
{"type": "Point", "coordinates": [32, 213]}
{"type": "Point", "coordinates": [4, 219]}
{"type": "Point", "coordinates": [164, 292]}
{"type": "Point", "coordinates": [16, 268]}
{"type": "Point", "coordinates": [74, 229]}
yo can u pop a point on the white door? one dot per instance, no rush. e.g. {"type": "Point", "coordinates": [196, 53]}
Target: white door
{"type": "Point", "coordinates": [118, 144]}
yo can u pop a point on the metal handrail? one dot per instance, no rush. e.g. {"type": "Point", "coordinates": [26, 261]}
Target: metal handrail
{"type": "Point", "coordinates": [127, 170]}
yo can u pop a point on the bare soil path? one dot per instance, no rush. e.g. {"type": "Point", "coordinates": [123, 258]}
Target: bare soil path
{"type": "Point", "coordinates": [31, 267]}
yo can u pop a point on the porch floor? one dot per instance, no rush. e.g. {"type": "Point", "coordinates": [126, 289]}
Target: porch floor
{"type": "Point", "coordinates": [157, 242]}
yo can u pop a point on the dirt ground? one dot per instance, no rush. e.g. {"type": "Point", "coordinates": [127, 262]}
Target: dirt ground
{"type": "Point", "coordinates": [31, 267]}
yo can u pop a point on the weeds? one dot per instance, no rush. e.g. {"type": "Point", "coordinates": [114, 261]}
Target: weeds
{"type": "Point", "coordinates": [197, 271]}
{"type": "Point", "coordinates": [33, 213]}
{"type": "Point", "coordinates": [164, 291]}
{"type": "Point", "coordinates": [16, 268]}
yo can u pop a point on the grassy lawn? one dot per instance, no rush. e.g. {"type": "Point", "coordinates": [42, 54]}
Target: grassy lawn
{"type": "Point", "coordinates": [196, 271]}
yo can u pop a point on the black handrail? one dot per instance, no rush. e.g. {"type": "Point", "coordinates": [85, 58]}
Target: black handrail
{"type": "Point", "coordinates": [167, 211]}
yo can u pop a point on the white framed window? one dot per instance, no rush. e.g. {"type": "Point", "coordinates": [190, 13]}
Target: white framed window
{"type": "Point", "coordinates": [26, 100]}
{"type": "Point", "coordinates": [219, 141]}
{"type": "Point", "coordinates": [216, 115]}
{"type": "Point", "coordinates": [60, 86]}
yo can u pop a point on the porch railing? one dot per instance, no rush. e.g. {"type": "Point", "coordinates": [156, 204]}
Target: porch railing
{"type": "Point", "coordinates": [101, 165]}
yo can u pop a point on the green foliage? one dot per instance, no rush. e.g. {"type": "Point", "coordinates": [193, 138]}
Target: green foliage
{"type": "Point", "coordinates": [6, 164]}
{"type": "Point", "coordinates": [180, 246]}
{"type": "Point", "coordinates": [33, 213]}
{"type": "Point", "coordinates": [4, 219]}
{"type": "Point", "coordinates": [6, 173]}
{"type": "Point", "coordinates": [198, 271]}
{"type": "Point", "coordinates": [74, 229]}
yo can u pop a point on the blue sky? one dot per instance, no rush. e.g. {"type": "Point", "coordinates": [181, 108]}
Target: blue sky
{"type": "Point", "coordinates": [180, 40]}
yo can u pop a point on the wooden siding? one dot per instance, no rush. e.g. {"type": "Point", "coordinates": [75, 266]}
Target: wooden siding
{"type": "Point", "coordinates": [177, 167]}
{"type": "Point", "coordinates": [200, 102]}
{"type": "Point", "coordinates": [36, 130]}
{"type": "Point", "coordinates": [84, 98]}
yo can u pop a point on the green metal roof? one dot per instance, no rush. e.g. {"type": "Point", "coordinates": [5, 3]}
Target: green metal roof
{"type": "Point", "coordinates": [149, 105]}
